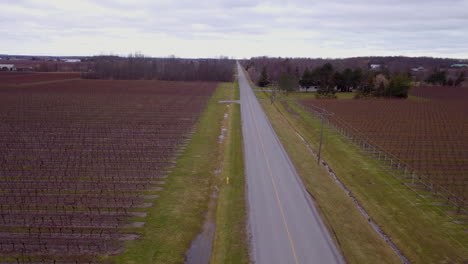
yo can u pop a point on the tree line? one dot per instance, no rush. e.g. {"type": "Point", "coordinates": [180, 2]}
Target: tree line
{"type": "Point", "coordinates": [326, 80]}
{"type": "Point", "coordinates": [441, 78]}
{"type": "Point", "coordinates": [394, 64]}
{"type": "Point", "coordinates": [139, 67]}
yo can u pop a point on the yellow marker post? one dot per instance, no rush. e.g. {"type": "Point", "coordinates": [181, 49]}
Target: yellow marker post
{"type": "Point", "coordinates": [227, 180]}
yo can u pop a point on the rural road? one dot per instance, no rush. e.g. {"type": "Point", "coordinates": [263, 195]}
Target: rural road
{"type": "Point", "coordinates": [284, 225]}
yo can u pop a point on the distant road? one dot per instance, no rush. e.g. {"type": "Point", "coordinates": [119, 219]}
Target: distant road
{"type": "Point", "coordinates": [284, 225]}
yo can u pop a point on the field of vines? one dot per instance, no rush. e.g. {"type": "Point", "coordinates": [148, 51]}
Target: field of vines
{"type": "Point", "coordinates": [76, 158]}
{"type": "Point", "coordinates": [21, 78]}
{"type": "Point", "coordinates": [425, 137]}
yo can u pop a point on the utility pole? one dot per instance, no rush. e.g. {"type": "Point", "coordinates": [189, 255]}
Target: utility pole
{"type": "Point", "coordinates": [321, 139]}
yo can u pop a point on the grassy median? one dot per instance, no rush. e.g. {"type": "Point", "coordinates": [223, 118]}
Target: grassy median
{"type": "Point", "coordinates": [419, 229]}
{"type": "Point", "coordinates": [230, 244]}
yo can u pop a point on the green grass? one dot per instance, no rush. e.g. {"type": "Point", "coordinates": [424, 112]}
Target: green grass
{"type": "Point", "coordinates": [417, 98]}
{"type": "Point", "coordinates": [178, 214]}
{"type": "Point", "coordinates": [420, 230]}
{"type": "Point", "coordinates": [230, 243]}
{"type": "Point", "coordinates": [236, 90]}
{"type": "Point", "coordinates": [311, 95]}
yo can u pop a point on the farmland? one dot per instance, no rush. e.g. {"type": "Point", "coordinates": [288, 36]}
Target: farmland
{"type": "Point", "coordinates": [425, 136]}
{"type": "Point", "coordinates": [21, 78]}
{"type": "Point", "coordinates": [81, 159]}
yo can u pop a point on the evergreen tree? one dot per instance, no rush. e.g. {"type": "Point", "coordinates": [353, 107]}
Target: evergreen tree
{"type": "Point", "coordinates": [307, 79]}
{"type": "Point", "coordinates": [366, 86]}
{"type": "Point", "coordinates": [357, 78]}
{"type": "Point", "coordinates": [438, 77]}
{"type": "Point", "coordinates": [327, 84]}
{"type": "Point", "coordinates": [340, 81]}
{"type": "Point", "coordinates": [347, 79]}
{"type": "Point", "coordinates": [288, 82]}
{"type": "Point", "coordinates": [400, 84]}
{"type": "Point", "coordinates": [263, 81]}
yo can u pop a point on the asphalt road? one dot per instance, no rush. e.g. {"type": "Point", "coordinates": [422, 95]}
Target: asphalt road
{"type": "Point", "coordinates": [284, 224]}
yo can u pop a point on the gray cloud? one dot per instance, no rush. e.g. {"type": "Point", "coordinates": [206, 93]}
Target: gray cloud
{"type": "Point", "coordinates": [317, 28]}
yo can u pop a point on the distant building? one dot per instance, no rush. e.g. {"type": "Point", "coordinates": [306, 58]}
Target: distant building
{"type": "Point", "coordinates": [459, 65]}
{"type": "Point", "coordinates": [71, 60]}
{"type": "Point", "coordinates": [418, 69]}
{"type": "Point", "coordinates": [7, 67]}
{"type": "Point", "coordinates": [375, 67]}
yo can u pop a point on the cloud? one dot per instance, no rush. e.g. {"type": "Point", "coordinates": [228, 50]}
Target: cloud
{"type": "Point", "coordinates": [241, 28]}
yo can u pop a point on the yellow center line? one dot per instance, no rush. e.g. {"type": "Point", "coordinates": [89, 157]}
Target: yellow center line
{"type": "Point", "coordinates": [278, 200]}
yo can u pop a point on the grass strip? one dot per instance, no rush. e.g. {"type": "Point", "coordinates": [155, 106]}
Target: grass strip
{"type": "Point", "coordinates": [230, 243]}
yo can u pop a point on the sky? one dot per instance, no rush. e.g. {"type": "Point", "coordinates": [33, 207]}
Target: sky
{"type": "Point", "coordinates": [235, 28]}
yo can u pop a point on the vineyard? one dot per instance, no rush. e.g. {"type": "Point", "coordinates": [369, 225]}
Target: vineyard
{"type": "Point", "coordinates": [17, 78]}
{"type": "Point", "coordinates": [78, 158]}
{"type": "Point", "coordinates": [424, 138]}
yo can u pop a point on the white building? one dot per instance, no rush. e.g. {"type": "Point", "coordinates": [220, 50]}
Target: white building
{"type": "Point", "coordinates": [7, 67]}
{"type": "Point", "coordinates": [418, 69]}
{"type": "Point", "coordinates": [375, 67]}
{"type": "Point", "coordinates": [71, 60]}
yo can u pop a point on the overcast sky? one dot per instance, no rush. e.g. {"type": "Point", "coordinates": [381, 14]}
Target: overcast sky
{"type": "Point", "coordinates": [235, 28]}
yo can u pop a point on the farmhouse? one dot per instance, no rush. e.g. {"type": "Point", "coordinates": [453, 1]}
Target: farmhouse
{"type": "Point", "coordinates": [418, 69]}
{"type": "Point", "coordinates": [71, 60]}
{"type": "Point", "coordinates": [375, 67]}
{"type": "Point", "coordinates": [7, 67]}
